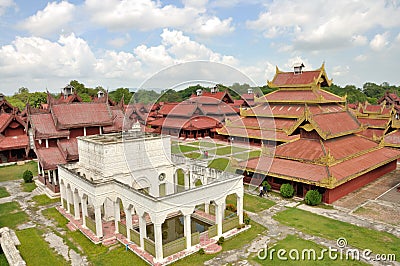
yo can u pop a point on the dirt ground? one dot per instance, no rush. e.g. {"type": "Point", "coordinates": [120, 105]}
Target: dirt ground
{"type": "Point", "coordinates": [379, 200]}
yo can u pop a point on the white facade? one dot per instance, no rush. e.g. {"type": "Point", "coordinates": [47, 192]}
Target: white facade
{"type": "Point", "coordinates": [131, 172]}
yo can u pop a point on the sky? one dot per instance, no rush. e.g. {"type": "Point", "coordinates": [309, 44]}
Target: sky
{"type": "Point", "coordinates": [121, 43]}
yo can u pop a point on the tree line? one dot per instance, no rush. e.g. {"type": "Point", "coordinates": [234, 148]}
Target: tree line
{"type": "Point", "coordinates": [370, 92]}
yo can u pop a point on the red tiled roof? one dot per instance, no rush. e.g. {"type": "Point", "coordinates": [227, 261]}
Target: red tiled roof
{"type": "Point", "coordinates": [69, 148]}
{"type": "Point", "coordinates": [219, 109]}
{"type": "Point", "coordinates": [183, 109]}
{"type": "Point", "coordinates": [4, 120]}
{"type": "Point", "coordinates": [118, 121]}
{"type": "Point", "coordinates": [370, 132]}
{"type": "Point", "coordinates": [364, 162]}
{"type": "Point", "coordinates": [373, 108]}
{"type": "Point", "coordinates": [374, 122]}
{"type": "Point", "coordinates": [290, 78]}
{"type": "Point", "coordinates": [211, 98]}
{"type": "Point", "coordinates": [44, 128]}
{"type": "Point", "coordinates": [197, 122]}
{"type": "Point", "coordinates": [14, 142]}
{"type": "Point", "coordinates": [81, 114]}
{"type": "Point", "coordinates": [393, 138]}
{"type": "Point", "coordinates": [50, 157]}
{"type": "Point", "coordinates": [306, 149]}
{"type": "Point", "coordinates": [166, 108]}
{"type": "Point", "coordinates": [332, 124]}
{"type": "Point", "coordinates": [347, 145]}
{"type": "Point", "coordinates": [301, 96]}
{"type": "Point", "coordinates": [263, 123]}
{"type": "Point", "coordinates": [256, 133]}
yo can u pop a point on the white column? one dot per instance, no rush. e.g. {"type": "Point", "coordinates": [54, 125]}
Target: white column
{"type": "Point", "coordinates": [207, 207]}
{"type": "Point", "coordinates": [99, 223]}
{"type": "Point", "coordinates": [47, 143]}
{"type": "Point", "coordinates": [188, 230]}
{"type": "Point", "coordinates": [84, 131]}
{"type": "Point", "coordinates": [239, 204]}
{"type": "Point", "coordinates": [128, 217]}
{"type": "Point", "coordinates": [62, 195]}
{"type": "Point", "coordinates": [158, 241]}
{"type": "Point", "coordinates": [84, 211]}
{"type": "Point", "coordinates": [186, 177]}
{"type": "Point", "coordinates": [55, 179]}
{"type": "Point", "coordinates": [117, 215]}
{"type": "Point", "coordinates": [218, 218]}
{"type": "Point", "coordinates": [38, 168]}
{"type": "Point", "coordinates": [68, 191]}
{"type": "Point", "coordinates": [100, 130]}
{"type": "Point", "coordinates": [76, 206]}
{"type": "Point", "coordinates": [142, 230]}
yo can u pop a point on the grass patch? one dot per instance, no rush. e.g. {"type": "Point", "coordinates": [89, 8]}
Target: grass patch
{"type": "Point", "coordinates": [11, 215]}
{"type": "Point", "coordinates": [35, 250]}
{"type": "Point", "coordinates": [228, 150]}
{"type": "Point", "coordinates": [97, 254]}
{"type": "Point", "coordinates": [248, 155]}
{"type": "Point", "coordinates": [208, 144]}
{"type": "Point", "coordinates": [41, 200]}
{"type": "Point", "coordinates": [193, 155]}
{"type": "Point", "coordinates": [360, 237]}
{"type": "Point", "coordinates": [14, 172]}
{"type": "Point", "coordinates": [28, 187]}
{"type": "Point", "coordinates": [182, 148]}
{"type": "Point", "coordinates": [251, 203]}
{"type": "Point", "coordinates": [3, 259]}
{"type": "Point", "coordinates": [3, 192]}
{"type": "Point", "coordinates": [229, 244]}
{"type": "Point", "coordinates": [221, 164]}
{"type": "Point", "coordinates": [294, 242]}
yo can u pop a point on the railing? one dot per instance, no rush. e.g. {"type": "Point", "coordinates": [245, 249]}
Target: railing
{"type": "Point", "coordinates": [174, 246]}
{"type": "Point", "coordinates": [230, 223]}
{"type": "Point", "coordinates": [149, 246]}
{"type": "Point", "coordinates": [212, 231]}
{"type": "Point", "coordinates": [122, 229]}
{"type": "Point", "coordinates": [135, 236]}
{"type": "Point", "coordinates": [91, 224]}
{"type": "Point", "coordinates": [195, 238]}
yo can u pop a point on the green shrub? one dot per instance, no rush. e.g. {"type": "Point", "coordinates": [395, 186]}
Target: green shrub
{"type": "Point", "coordinates": [201, 251]}
{"type": "Point", "coordinates": [266, 184]}
{"type": "Point", "coordinates": [27, 176]}
{"type": "Point", "coordinates": [221, 240]}
{"type": "Point", "coordinates": [246, 218]}
{"type": "Point", "coordinates": [313, 197]}
{"type": "Point", "coordinates": [240, 226]}
{"type": "Point", "coordinates": [287, 190]}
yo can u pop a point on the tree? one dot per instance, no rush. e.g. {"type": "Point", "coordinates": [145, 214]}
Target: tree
{"type": "Point", "coordinates": [313, 197]}
{"type": "Point", "coordinates": [118, 93]}
{"type": "Point", "coordinates": [27, 176]}
{"type": "Point", "coordinates": [287, 190]}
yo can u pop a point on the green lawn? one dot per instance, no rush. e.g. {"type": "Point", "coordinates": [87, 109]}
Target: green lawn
{"type": "Point", "coordinates": [208, 144]}
{"type": "Point", "coordinates": [41, 200]}
{"type": "Point", "coordinates": [229, 150]}
{"type": "Point", "coordinates": [35, 250]}
{"type": "Point", "coordinates": [97, 254]}
{"type": "Point", "coordinates": [360, 237]}
{"type": "Point", "coordinates": [3, 192]}
{"type": "Point", "coordinates": [220, 164]}
{"type": "Point", "coordinates": [230, 244]}
{"type": "Point", "coordinates": [3, 259]}
{"type": "Point", "coordinates": [247, 155]}
{"type": "Point", "coordinates": [11, 215]}
{"type": "Point", "coordinates": [28, 187]}
{"type": "Point", "coordinates": [182, 148]}
{"type": "Point", "coordinates": [251, 203]}
{"type": "Point", "coordinates": [14, 172]}
{"type": "Point", "coordinates": [193, 155]}
{"type": "Point", "coordinates": [292, 242]}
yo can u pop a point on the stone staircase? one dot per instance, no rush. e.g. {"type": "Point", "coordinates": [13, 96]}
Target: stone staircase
{"type": "Point", "coordinates": [209, 245]}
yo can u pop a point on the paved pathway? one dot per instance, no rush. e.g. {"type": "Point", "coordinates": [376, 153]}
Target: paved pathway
{"type": "Point", "coordinates": [37, 219]}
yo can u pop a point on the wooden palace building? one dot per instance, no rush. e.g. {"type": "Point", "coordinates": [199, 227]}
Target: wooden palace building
{"type": "Point", "coordinates": [318, 137]}
{"type": "Point", "coordinates": [54, 130]}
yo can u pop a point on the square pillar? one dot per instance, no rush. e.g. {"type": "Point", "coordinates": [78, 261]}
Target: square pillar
{"type": "Point", "coordinates": [158, 241]}
{"type": "Point", "coordinates": [239, 208]}
{"type": "Point", "coordinates": [69, 196]}
{"type": "Point", "coordinates": [84, 211]}
{"type": "Point", "coordinates": [142, 230]}
{"type": "Point", "coordinates": [76, 206]}
{"type": "Point", "coordinates": [117, 215]}
{"type": "Point", "coordinates": [207, 207]}
{"type": "Point", "coordinates": [218, 218]}
{"type": "Point", "coordinates": [188, 230]}
{"type": "Point", "coordinates": [99, 223]}
{"type": "Point", "coordinates": [186, 177]}
{"type": "Point", "coordinates": [62, 195]}
{"type": "Point", "coordinates": [128, 219]}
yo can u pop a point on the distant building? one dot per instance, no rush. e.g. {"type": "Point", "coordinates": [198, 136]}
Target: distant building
{"type": "Point", "coordinates": [54, 130]}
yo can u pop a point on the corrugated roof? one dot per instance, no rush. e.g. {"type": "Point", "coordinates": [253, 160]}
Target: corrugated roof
{"type": "Point", "coordinates": [14, 142]}
{"type": "Point", "coordinates": [50, 157]}
{"type": "Point", "coordinates": [69, 148]}
{"type": "Point", "coordinates": [333, 124]}
{"type": "Point", "coordinates": [44, 128]}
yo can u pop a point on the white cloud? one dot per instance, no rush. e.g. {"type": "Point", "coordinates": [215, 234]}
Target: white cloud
{"type": "Point", "coordinates": [119, 41]}
{"type": "Point", "coordinates": [4, 4]}
{"type": "Point", "coordinates": [340, 71]}
{"type": "Point", "coordinates": [322, 24]}
{"type": "Point", "coordinates": [361, 58]}
{"type": "Point", "coordinates": [117, 15]}
{"type": "Point", "coordinates": [379, 42]}
{"type": "Point", "coordinates": [50, 20]}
